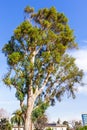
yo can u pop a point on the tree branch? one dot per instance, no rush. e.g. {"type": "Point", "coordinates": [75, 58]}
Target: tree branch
{"type": "Point", "coordinates": [38, 92]}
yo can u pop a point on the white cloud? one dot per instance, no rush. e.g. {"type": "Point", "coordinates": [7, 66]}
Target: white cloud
{"type": "Point", "coordinates": [81, 61]}
{"type": "Point", "coordinates": [83, 90]}
{"type": "Point", "coordinates": [8, 102]}
{"type": "Point", "coordinates": [81, 58]}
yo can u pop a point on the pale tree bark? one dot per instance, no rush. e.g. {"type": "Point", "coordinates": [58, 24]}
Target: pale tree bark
{"type": "Point", "coordinates": [31, 98]}
{"type": "Point", "coordinates": [18, 127]}
{"type": "Point", "coordinates": [28, 121]}
{"type": "Point", "coordinates": [30, 104]}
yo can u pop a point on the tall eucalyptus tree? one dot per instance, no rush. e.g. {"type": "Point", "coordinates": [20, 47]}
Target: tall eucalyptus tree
{"type": "Point", "coordinates": [39, 67]}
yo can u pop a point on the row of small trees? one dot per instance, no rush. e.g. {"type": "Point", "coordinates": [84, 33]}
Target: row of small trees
{"type": "Point", "coordinates": [74, 125]}
{"type": "Point", "coordinates": [39, 123]}
{"type": "Point", "coordinates": [18, 120]}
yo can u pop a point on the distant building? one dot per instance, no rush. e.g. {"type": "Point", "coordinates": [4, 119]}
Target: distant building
{"type": "Point", "coordinates": [55, 126]}
{"type": "Point", "coordinates": [84, 119]}
{"type": "Point", "coordinates": [16, 128]}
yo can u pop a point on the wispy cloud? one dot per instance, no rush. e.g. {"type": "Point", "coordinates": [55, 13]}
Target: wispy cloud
{"type": "Point", "coordinates": [83, 90]}
{"type": "Point", "coordinates": [81, 58]}
{"type": "Point", "coordinates": [81, 61]}
{"type": "Point", "coordinates": [9, 102]}
{"type": "Point", "coordinates": [84, 41]}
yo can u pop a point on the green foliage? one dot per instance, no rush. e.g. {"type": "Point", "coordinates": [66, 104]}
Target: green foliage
{"type": "Point", "coordinates": [5, 125]}
{"type": "Point", "coordinates": [14, 58]}
{"type": "Point", "coordinates": [49, 128]}
{"type": "Point", "coordinates": [39, 111]}
{"type": "Point", "coordinates": [39, 65]}
{"type": "Point", "coordinates": [17, 118]}
{"type": "Point", "coordinates": [7, 80]}
{"type": "Point", "coordinates": [28, 9]}
{"type": "Point", "coordinates": [82, 128]}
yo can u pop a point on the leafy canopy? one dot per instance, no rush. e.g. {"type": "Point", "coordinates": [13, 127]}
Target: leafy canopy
{"type": "Point", "coordinates": [37, 59]}
{"type": "Point", "coordinates": [17, 118]}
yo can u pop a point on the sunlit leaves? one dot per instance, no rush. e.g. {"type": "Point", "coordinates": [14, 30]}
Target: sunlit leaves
{"type": "Point", "coordinates": [36, 56]}
{"type": "Point", "coordinates": [17, 118]}
{"type": "Point", "coordinates": [39, 111]}
{"type": "Point", "coordinates": [28, 9]}
{"type": "Point", "coordinates": [22, 30]}
{"type": "Point", "coordinates": [14, 58]}
{"type": "Point", "coordinates": [7, 81]}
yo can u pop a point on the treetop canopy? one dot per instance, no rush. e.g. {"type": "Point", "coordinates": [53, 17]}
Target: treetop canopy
{"type": "Point", "coordinates": [36, 55]}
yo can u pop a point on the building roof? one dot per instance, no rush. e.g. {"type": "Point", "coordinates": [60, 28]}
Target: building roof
{"type": "Point", "coordinates": [55, 125]}
{"type": "Point", "coordinates": [47, 125]}
{"type": "Point", "coordinates": [17, 126]}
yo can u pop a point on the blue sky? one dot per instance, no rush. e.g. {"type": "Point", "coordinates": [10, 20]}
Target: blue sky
{"type": "Point", "coordinates": [11, 15]}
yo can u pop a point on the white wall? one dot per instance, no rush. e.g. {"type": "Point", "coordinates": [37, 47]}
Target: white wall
{"type": "Point", "coordinates": [57, 128]}
{"type": "Point", "coordinates": [17, 128]}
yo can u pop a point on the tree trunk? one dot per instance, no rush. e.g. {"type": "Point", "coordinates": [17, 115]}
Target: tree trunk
{"type": "Point", "coordinates": [18, 127]}
{"type": "Point", "coordinates": [28, 124]}
{"type": "Point", "coordinates": [28, 121]}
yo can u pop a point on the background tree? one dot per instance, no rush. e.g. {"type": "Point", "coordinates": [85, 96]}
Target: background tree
{"type": "Point", "coordinates": [3, 114]}
{"type": "Point", "coordinates": [58, 121]}
{"type": "Point", "coordinates": [67, 124]}
{"type": "Point", "coordinates": [39, 67]}
{"type": "Point", "coordinates": [82, 128]}
{"type": "Point", "coordinates": [5, 124]}
{"type": "Point", "coordinates": [40, 122]}
{"type": "Point", "coordinates": [17, 119]}
{"type": "Point", "coordinates": [49, 128]}
{"type": "Point", "coordinates": [76, 124]}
